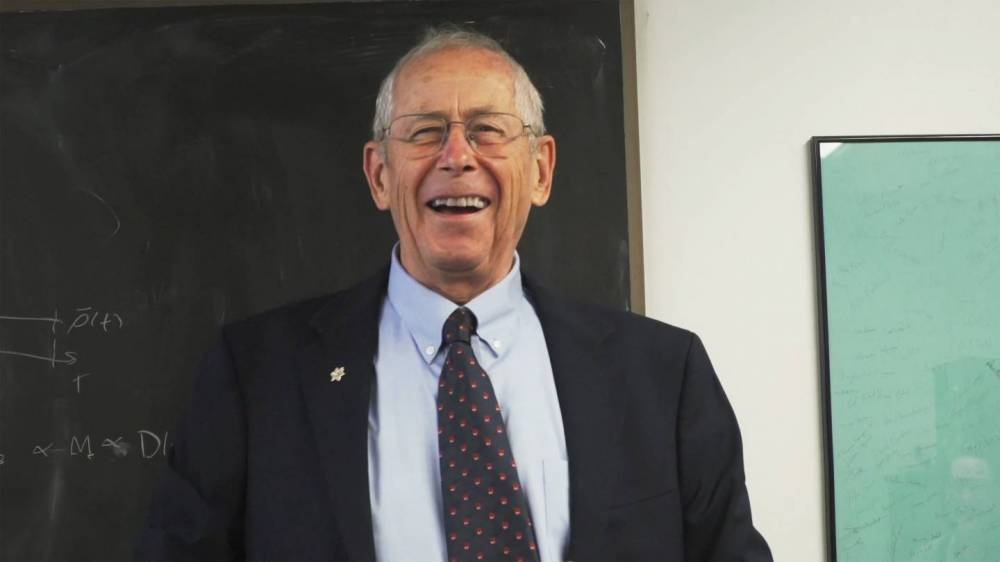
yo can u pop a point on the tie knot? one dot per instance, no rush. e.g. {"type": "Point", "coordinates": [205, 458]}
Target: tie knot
{"type": "Point", "coordinates": [459, 327]}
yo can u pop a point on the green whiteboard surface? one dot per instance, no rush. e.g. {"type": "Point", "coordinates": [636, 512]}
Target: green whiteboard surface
{"type": "Point", "coordinates": [909, 272]}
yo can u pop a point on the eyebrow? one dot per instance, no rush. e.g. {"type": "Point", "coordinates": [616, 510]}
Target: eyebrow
{"type": "Point", "coordinates": [467, 113]}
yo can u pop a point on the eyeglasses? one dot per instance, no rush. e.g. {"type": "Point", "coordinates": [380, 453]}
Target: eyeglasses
{"type": "Point", "coordinates": [487, 133]}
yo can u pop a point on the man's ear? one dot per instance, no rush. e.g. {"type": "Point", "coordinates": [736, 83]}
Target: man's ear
{"type": "Point", "coordinates": [374, 165]}
{"type": "Point", "coordinates": [545, 162]}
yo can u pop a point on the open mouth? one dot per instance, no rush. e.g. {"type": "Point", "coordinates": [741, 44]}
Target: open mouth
{"type": "Point", "coordinates": [458, 205]}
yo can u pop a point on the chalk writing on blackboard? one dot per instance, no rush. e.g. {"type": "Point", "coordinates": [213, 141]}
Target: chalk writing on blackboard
{"type": "Point", "coordinates": [78, 447]}
{"type": "Point", "coordinates": [44, 451]}
{"type": "Point", "coordinates": [77, 380]}
{"type": "Point", "coordinates": [86, 318]}
{"type": "Point", "coordinates": [114, 215]}
{"type": "Point", "coordinates": [68, 358]}
{"type": "Point", "coordinates": [54, 319]}
{"type": "Point", "coordinates": [118, 448]}
{"type": "Point", "coordinates": [150, 446]}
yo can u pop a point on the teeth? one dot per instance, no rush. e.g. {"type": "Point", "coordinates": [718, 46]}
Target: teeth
{"type": "Point", "coordinates": [477, 202]}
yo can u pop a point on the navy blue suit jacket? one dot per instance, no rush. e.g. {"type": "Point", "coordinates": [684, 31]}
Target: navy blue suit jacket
{"type": "Point", "coordinates": [270, 460]}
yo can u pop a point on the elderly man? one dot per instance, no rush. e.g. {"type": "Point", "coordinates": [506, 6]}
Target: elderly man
{"type": "Point", "coordinates": [451, 409]}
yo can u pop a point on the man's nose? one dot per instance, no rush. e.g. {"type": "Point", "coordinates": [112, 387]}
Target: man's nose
{"type": "Point", "coordinates": [457, 155]}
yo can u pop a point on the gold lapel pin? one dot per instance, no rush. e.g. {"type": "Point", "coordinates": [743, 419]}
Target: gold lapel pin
{"type": "Point", "coordinates": [337, 374]}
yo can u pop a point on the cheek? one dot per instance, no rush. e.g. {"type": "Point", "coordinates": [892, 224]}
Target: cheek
{"type": "Point", "coordinates": [516, 203]}
{"type": "Point", "coordinates": [405, 196]}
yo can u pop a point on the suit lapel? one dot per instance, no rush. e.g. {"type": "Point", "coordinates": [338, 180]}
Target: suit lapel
{"type": "Point", "coordinates": [347, 337]}
{"type": "Point", "coordinates": [346, 342]}
{"type": "Point", "coordinates": [587, 400]}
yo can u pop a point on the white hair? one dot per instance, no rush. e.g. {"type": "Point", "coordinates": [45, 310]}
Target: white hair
{"type": "Point", "coordinates": [526, 97]}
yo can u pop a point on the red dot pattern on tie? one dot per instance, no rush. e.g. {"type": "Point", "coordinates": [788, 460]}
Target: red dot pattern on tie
{"type": "Point", "coordinates": [485, 511]}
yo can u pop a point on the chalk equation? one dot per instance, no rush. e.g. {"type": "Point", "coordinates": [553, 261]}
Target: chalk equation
{"type": "Point", "coordinates": [87, 317]}
{"type": "Point", "coordinates": [147, 445]}
{"type": "Point", "coordinates": [84, 318]}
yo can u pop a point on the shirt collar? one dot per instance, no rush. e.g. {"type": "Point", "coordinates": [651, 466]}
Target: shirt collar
{"type": "Point", "coordinates": [423, 311]}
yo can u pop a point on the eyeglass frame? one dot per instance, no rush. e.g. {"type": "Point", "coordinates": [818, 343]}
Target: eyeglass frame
{"type": "Point", "coordinates": [466, 135]}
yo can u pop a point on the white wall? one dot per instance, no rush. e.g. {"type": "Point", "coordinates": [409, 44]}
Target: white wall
{"type": "Point", "coordinates": [729, 94]}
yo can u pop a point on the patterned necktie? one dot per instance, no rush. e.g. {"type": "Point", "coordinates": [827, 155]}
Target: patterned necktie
{"type": "Point", "coordinates": [485, 511]}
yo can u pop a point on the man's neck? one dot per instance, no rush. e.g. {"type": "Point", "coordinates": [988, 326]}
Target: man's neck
{"type": "Point", "coordinates": [458, 287]}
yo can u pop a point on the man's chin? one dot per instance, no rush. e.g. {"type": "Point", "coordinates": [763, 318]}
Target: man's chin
{"type": "Point", "coordinates": [466, 265]}
{"type": "Point", "coordinates": [459, 265]}
{"type": "Point", "coordinates": [476, 268]}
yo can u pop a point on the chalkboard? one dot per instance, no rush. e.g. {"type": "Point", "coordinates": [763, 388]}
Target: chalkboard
{"type": "Point", "coordinates": [166, 170]}
{"type": "Point", "coordinates": [910, 289]}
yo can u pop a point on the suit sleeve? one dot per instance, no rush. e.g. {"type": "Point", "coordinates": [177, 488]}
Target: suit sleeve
{"type": "Point", "coordinates": [197, 507]}
{"type": "Point", "coordinates": [717, 522]}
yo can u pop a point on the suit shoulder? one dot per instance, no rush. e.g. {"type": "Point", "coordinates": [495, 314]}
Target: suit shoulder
{"type": "Point", "coordinates": [291, 314]}
{"type": "Point", "coordinates": [606, 318]}
{"type": "Point", "coordinates": [635, 325]}
{"type": "Point", "coordinates": [299, 318]}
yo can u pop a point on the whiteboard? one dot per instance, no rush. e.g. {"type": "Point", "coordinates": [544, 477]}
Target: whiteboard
{"type": "Point", "coordinates": [909, 270]}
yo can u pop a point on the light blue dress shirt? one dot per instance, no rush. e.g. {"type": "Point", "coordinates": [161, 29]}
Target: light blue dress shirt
{"type": "Point", "coordinates": [403, 471]}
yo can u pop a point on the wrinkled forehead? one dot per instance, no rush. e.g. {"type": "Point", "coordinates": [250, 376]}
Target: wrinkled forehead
{"type": "Point", "coordinates": [463, 77]}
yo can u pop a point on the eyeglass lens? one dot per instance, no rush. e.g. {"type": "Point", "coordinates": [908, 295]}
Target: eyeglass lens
{"type": "Point", "coordinates": [487, 132]}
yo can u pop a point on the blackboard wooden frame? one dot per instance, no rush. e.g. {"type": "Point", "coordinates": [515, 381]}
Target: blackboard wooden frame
{"type": "Point", "coordinates": [816, 158]}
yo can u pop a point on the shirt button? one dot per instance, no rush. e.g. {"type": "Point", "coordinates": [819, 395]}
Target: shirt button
{"type": "Point", "coordinates": [497, 344]}
{"type": "Point", "coordinates": [429, 350]}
